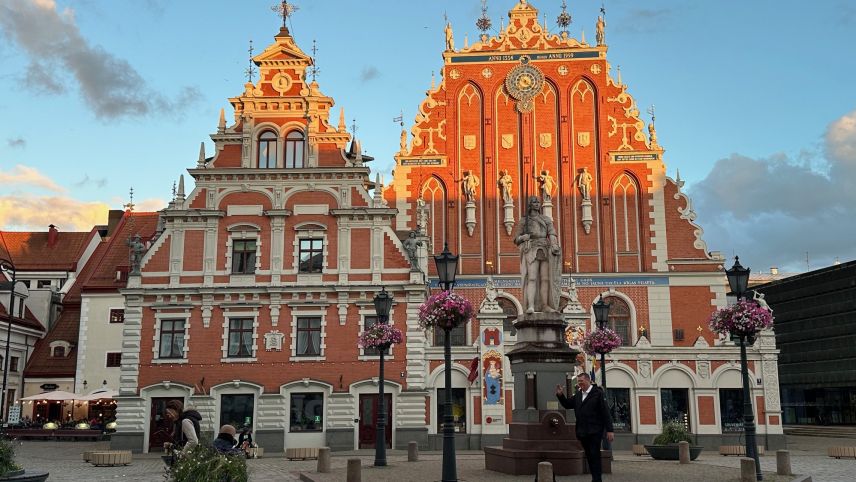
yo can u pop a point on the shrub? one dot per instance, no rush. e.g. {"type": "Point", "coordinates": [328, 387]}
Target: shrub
{"type": "Point", "coordinates": [203, 463]}
{"type": "Point", "coordinates": [673, 432]}
{"type": "Point", "coordinates": [7, 457]}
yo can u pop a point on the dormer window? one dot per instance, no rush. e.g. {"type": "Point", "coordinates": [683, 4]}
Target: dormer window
{"type": "Point", "coordinates": [294, 147]}
{"type": "Point", "coordinates": [58, 352]}
{"type": "Point", "coordinates": [60, 348]}
{"type": "Point", "coordinates": [267, 150]}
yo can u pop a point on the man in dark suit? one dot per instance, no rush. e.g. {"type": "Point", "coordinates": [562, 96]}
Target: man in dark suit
{"type": "Point", "coordinates": [589, 405]}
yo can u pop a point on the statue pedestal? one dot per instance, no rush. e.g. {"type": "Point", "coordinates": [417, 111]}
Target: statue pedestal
{"type": "Point", "coordinates": [509, 217]}
{"type": "Point", "coordinates": [539, 430]}
{"type": "Point", "coordinates": [586, 218]}
{"type": "Point", "coordinates": [471, 217]}
{"type": "Point", "coordinates": [547, 208]}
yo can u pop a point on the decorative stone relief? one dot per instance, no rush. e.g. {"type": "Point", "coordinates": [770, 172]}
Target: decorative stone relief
{"type": "Point", "coordinates": [273, 340]}
{"type": "Point", "coordinates": [645, 368]}
{"type": "Point", "coordinates": [703, 368]}
{"type": "Point", "coordinates": [771, 381]}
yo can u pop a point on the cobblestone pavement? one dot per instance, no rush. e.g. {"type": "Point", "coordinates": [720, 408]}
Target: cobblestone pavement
{"type": "Point", "coordinates": [808, 456]}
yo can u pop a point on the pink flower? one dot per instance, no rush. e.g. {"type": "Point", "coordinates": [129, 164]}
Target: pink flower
{"type": "Point", "coordinates": [746, 317]}
{"type": "Point", "coordinates": [445, 310]}
{"type": "Point", "coordinates": [601, 341]}
{"type": "Point", "coordinates": [380, 335]}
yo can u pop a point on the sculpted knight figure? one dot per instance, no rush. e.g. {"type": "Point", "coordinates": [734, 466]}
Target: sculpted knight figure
{"type": "Point", "coordinates": [540, 259]}
{"type": "Point", "coordinates": [600, 27]}
{"type": "Point", "coordinates": [584, 183]}
{"type": "Point", "coordinates": [470, 184]}
{"type": "Point", "coordinates": [548, 186]}
{"type": "Point", "coordinates": [505, 185]}
{"type": "Point", "coordinates": [411, 246]}
{"type": "Point", "coordinates": [450, 39]}
{"type": "Point", "coordinates": [137, 250]}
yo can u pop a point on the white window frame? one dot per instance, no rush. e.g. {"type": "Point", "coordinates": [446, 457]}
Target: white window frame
{"type": "Point", "coordinates": [227, 316]}
{"type": "Point", "coordinates": [159, 317]}
{"type": "Point", "coordinates": [244, 232]}
{"type": "Point", "coordinates": [308, 314]}
{"type": "Point", "coordinates": [302, 234]}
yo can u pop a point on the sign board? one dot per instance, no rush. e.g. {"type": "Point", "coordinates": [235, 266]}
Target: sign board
{"type": "Point", "coordinates": [49, 386]}
{"type": "Point", "coordinates": [423, 162]}
{"type": "Point", "coordinates": [14, 414]}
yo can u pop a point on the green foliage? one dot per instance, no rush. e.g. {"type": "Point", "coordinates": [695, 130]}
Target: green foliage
{"type": "Point", "coordinates": [204, 464]}
{"type": "Point", "coordinates": [673, 432]}
{"type": "Point", "coordinates": [7, 457]}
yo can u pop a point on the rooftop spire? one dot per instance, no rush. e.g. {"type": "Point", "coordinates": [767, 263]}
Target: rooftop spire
{"type": "Point", "coordinates": [179, 197]}
{"type": "Point", "coordinates": [314, 70]}
{"type": "Point", "coordinates": [251, 70]}
{"type": "Point", "coordinates": [483, 23]}
{"type": "Point", "coordinates": [652, 131]}
{"type": "Point", "coordinates": [284, 10]}
{"type": "Point", "coordinates": [564, 18]}
{"type": "Point", "coordinates": [200, 164]}
{"type": "Point", "coordinates": [130, 206]}
{"type": "Point", "coordinates": [221, 126]}
{"type": "Point", "coordinates": [342, 126]}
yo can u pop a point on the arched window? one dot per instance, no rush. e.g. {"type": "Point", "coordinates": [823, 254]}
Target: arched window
{"type": "Point", "coordinates": [294, 147]}
{"type": "Point", "coordinates": [267, 150]}
{"type": "Point", "coordinates": [510, 311]}
{"type": "Point", "coordinates": [619, 319]}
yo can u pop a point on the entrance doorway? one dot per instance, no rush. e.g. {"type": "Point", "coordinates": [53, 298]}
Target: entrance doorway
{"type": "Point", "coordinates": [160, 430]}
{"type": "Point", "coordinates": [368, 420]}
{"type": "Point", "coordinates": [675, 405]}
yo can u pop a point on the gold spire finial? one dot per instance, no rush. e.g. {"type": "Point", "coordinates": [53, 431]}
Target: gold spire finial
{"type": "Point", "coordinates": [652, 131]}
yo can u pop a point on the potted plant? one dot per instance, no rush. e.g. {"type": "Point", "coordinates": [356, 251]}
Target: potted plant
{"type": "Point", "coordinates": [10, 471]}
{"type": "Point", "coordinates": [380, 336]}
{"type": "Point", "coordinates": [665, 446]}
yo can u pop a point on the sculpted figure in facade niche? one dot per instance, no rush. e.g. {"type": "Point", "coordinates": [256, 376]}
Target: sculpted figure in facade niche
{"type": "Point", "coordinates": [584, 183]}
{"type": "Point", "coordinates": [469, 185]}
{"type": "Point", "coordinates": [411, 246]}
{"type": "Point", "coordinates": [137, 250]}
{"type": "Point", "coordinates": [450, 39]}
{"type": "Point", "coordinates": [599, 30]}
{"type": "Point", "coordinates": [548, 185]}
{"type": "Point", "coordinates": [505, 185]}
{"type": "Point", "coordinates": [540, 259]}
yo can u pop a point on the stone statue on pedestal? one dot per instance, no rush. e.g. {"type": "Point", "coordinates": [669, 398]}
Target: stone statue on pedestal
{"type": "Point", "coordinates": [540, 260]}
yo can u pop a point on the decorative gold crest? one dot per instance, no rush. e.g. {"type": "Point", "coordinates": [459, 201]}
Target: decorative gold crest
{"type": "Point", "coordinates": [545, 139]}
{"type": "Point", "coordinates": [583, 139]}
{"type": "Point", "coordinates": [507, 141]}
{"type": "Point", "coordinates": [469, 142]}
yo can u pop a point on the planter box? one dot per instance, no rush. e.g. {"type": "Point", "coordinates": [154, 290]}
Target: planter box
{"type": "Point", "coordinates": [670, 452]}
{"type": "Point", "coordinates": [110, 458]}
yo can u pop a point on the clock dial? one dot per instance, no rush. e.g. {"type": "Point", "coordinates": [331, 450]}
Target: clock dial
{"type": "Point", "coordinates": [524, 81]}
{"type": "Point", "coordinates": [281, 82]}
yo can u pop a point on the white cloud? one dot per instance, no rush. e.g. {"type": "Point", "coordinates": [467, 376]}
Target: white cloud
{"type": "Point", "coordinates": [27, 176]}
{"type": "Point", "coordinates": [775, 211]}
{"type": "Point", "coordinates": [110, 86]}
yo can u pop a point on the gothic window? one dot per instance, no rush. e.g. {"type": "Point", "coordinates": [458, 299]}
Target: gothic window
{"type": "Point", "coordinates": [311, 255]}
{"type": "Point", "coordinates": [626, 223]}
{"type": "Point", "coordinates": [510, 311]}
{"type": "Point", "coordinates": [434, 195]}
{"type": "Point", "coordinates": [619, 319]}
{"type": "Point", "coordinates": [294, 147]}
{"type": "Point", "coordinates": [244, 256]}
{"type": "Point", "coordinates": [267, 150]}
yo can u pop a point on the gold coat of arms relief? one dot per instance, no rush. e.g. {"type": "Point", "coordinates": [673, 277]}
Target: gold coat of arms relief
{"type": "Point", "coordinates": [469, 142]}
{"type": "Point", "coordinates": [545, 140]}
{"type": "Point", "coordinates": [583, 139]}
{"type": "Point", "coordinates": [507, 141]}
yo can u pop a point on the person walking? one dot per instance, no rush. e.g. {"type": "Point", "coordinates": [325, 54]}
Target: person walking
{"type": "Point", "coordinates": [187, 428]}
{"type": "Point", "coordinates": [589, 405]}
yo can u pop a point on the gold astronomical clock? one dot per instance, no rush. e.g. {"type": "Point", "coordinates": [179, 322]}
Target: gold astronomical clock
{"type": "Point", "coordinates": [523, 83]}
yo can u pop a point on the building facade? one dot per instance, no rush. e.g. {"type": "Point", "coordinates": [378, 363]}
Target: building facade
{"type": "Point", "coordinates": [247, 301]}
{"type": "Point", "coordinates": [529, 113]}
{"type": "Point", "coordinates": [816, 333]}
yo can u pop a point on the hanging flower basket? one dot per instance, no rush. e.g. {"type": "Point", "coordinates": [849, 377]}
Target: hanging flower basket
{"type": "Point", "coordinates": [380, 335]}
{"type": "Point", "coordinates": [601, 341]}
{"type": "Point", "coordinates": [445, 310]}
{"type": "Point", "coordinates": [746, 318]}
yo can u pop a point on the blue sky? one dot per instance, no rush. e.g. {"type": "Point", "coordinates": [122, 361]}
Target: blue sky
{"type": "Point", "coordinates": [754, 100]}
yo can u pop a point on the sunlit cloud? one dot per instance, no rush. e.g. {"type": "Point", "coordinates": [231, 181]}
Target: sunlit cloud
{"type": "Point", "coordinates": [20, 176]}
{"type": "Point", "coordinates": [109, 85]}
{"type": "Point", "coordinates": [778, 211]}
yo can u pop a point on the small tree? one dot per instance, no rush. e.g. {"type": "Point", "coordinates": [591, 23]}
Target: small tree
{"type": "Point", "coordinates": [673, 432]}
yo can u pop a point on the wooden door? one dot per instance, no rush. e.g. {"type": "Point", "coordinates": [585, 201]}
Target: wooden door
{"type": "Point", "coordinates": [368, 420]}
{"type": "Point", "coordinates": [160, 430]}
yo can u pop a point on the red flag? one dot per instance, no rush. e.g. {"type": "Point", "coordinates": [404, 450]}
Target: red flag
{"type": "Point", "coordinates": [474, 370]}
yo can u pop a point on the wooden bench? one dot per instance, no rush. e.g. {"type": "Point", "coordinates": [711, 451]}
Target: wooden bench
{"type": "Point", "coordinates": [87, 456]}
{"type": "Point", "coordinates": [839, 452]}
{"type": "Point", "coordinates": [302, 453]}
{"type": "Point", "coordinates": [725, 450]}
{"type": "Point", "coordinates": [77, 434]}
{"type": "Point", "coordinates": [640, 450]}
{"type": "Point", "coordinates": [110, 458]}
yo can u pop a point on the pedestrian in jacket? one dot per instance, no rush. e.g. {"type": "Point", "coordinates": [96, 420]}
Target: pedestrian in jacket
{"type": "Point", "coordinates": [225, 441]}
{"type": "Point", "coordinates": [187, 428]}
{"type": "Point", "coordinates": [589, 405]}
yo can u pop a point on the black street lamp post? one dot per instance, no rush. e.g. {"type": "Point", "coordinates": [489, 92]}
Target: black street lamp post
{"type": "Point", "coordinates": [382, 303]}
{"type": "Point", "coordinates": [738, 281]}
{"type": "Point", "coordinates": [8, 267]}
{"type": "Point", "coordinates": [447, 267]}
{"type": "Point", "coordinates": [601, 316]}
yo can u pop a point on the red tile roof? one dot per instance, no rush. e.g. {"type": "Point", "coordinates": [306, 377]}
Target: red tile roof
{"type": "Point", "coordinates": [41, 363]}
{"type": "Point", "coordinates": [117, 255]}
{"type": "Point", "coordinates": [28, 321]}
{"type": "Point", "coordinates": [30, 250]}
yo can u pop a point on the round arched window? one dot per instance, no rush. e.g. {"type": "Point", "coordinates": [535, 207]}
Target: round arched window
{"type": "Point", "coordinates": [294, 147]}
{"type": "Point", "coordinates": [267, 150]}
{"type": "Point", "coordinates": [619, 319]}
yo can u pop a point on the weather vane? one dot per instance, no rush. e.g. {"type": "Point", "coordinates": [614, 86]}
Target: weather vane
{"type": "Point", "coordinates": [651, 112]}
{"type": "Point", "coordinates": [564, 18]}
{"type": "Point", "coordinates": [354, 127]}
{"type": "Point", "coordinates": [603, 8]}
{"type": "Point", "coordinates": [400, 118]}
{"type": "Point", "coordinates": [483, 23]}
{"type": "Point", "coordinates": [284, 10]}
{"type": "Point", "coordinates": [314, 70]}
{"type": "Point", "coordinates": [251, 70]}
{"type": "Point", "coordinates": [130, 206]}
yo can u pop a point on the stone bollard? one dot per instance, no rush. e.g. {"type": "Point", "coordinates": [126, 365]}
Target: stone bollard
{"type": "Point", "coordinates": [545, 472]}
{"type": "Point", "coordinates": [355, 468]}
{"type": "Point", "coordinates": [324, 460]}
{"type": "Point", "coordinates": [412, 452]}
{"type": "Point", "coordinates": [684, 452]}
{"type": "Point", "coordinates": [783, 462]}
{"type": "Point", "coordinates": [747, 469]}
